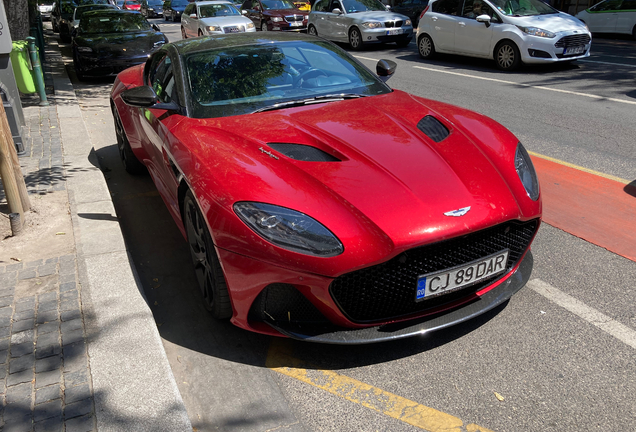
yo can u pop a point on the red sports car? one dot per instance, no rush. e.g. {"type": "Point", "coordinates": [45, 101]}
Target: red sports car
{"type": "Point", "coordinates": [320, 204]}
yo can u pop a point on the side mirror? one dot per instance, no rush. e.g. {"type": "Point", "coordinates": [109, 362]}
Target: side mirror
{"type": "Point", "coordinates": [484, 19]}
{"type": "Point", "coordinates": [145, 97]}
{"type": "Point", "coordinates": [244, 12]}
{"type": "Point", "coordinates": [337, 11]}
{"type": "Point", "coordinates": [385, 69]}
{"type": "Point", "coordinates": [388, 7]}
{"type": "Point", "coordinates": [193, 16]}
{"type": "Point", "coordinates": [155, 27]}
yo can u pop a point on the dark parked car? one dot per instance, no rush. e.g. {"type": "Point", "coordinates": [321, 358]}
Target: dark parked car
{"type": "Point", "coordinates": [412, 9]}
{"type": "Point", "coordinates": [173, 9]}
{"type": "Point", "coordinates": [275, 15]}
{"type": "Point", "coordinates": [62, 15]}
{"type": "Point", "coordinates": [151, 8]}
{"type": "Point", "coordinates": [109, 41]}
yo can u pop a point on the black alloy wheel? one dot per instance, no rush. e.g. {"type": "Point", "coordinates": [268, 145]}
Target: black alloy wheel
{"type": "Point", "coordinates": [206, 263]}
{"type": "Point", "coordinates": [507, 56]}
{"type": "Point", "coordinates": [128, 159]}
{"type": "Point", "coordinates": [355, 39]}
{"type": "Point", "coordinates": [425, 47]}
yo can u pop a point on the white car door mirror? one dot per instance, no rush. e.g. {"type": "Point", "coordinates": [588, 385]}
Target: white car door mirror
{"type": "Point", "coordinates": [483, 19]}
{"type": "Point", "coordinates": [337, 11]}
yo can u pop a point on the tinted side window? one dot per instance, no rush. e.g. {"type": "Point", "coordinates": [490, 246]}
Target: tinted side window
{"type": "Point", "coordinates": [628, 5]}
{"type": "Point", "coordinates": [448, 7]}
{"type": "Point", "coordinates": [162, 80]}
{"type": "Point", "coordinates": [607, 6]}
{"type": "Point", "coordinates": [322, 6]}
{"type": "Point", "coordinates": [189, 10]}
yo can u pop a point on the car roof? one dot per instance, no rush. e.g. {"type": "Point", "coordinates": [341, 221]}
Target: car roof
{"type": "Point", "coordinates": [109, 11]}
{"type": "Point", "coordinates": [203, 3]}
{"type": "Point", "coordinates": [190, 46]}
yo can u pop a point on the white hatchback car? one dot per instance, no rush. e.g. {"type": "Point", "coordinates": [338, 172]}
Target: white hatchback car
{"type": "Point", "coordinates": [611, 16]}
{"type": "Point", "coordinates": [508, 31]}
{"type": "Point", "coordinates": [213, 17]}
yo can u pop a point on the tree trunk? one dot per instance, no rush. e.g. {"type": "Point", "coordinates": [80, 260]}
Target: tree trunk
{"type": "Point", "coordinates": [18, 18]}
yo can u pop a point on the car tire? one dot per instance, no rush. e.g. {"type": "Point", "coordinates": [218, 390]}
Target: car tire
{"type": "Point", "coordinates": [78, 70]}
{"type": "Point", "coordinates": [426, 47]}
{"type": "Point", "coordinates": [165, 17]}
{"type": "Point", "coordinates": [65, 36]}
{"type": "Point", "coordinates": [183, 33]}
{"type": "Point", "coordinates": [634, 33]}
{"type": "Point", "coordinates": [56, 29]}
{"type": "Point", "coordinates": [131, 164]}
{"type": "Point", "coordinates": [403, 44]}
{"type": "Point", "coordinates": [263, 26]}
{"type": "Point", "coordinates": [312, 30]}
{"type": "Point", "coordinates": [507, 56]}
{"type": "Point", "coordinates": [200, 33]}
{"type": "Point", "coordinates": [355, 39]}
{"type": "Point", "coordinates": [207, 267]}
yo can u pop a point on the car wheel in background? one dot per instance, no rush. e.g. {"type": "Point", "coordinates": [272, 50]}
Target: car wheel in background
{"type": "Point", "coordinates": [507, 56]}
{"type": "Point", "coordinates": [128, 159]}
{"type": "Point", "coordinates": [206, 263]}
{"type": "Point", "coordinates": [312, 30]}
{"type": "Point", "coordinates": [634, 32]}
{"type": "Point", "coordinates": [65, 34]}
{"type": "Point", "coordinates": [165, 17]}
{"type": "Point", "coordinates": [200, 33]}
{"type": "Point", "coordinates": [263, 26]}
{"type": "Point", "coordinates": [355, 39]}
{"type": "Point", "coordinates": [183, 33]}
{"type": "Point", "coordinates": [425, 47]}
{"type": "Point", "coordinates": [78, 69]}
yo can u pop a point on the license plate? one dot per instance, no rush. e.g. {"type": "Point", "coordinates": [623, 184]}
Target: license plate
{"type": "Point", "coordinates": [574, 50]}
{"type": "Point", "coordinates": [296, 24]}
{"type": "Point", "coordinates": [232, 30]}
{"type": "Point", "coordinates": [394, 32]}
{"type": "Point", "coordinates": [445, 281]}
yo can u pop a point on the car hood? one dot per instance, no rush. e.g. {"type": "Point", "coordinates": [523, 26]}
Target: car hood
{"type": "Point", "coordinates": [225, 20]}
{"type": "Point", "coordinates": [553, 22]}
{"type": "Point", "coordinates": [388, 174]}
{"type": "Point", "coordinates": [285, 12]}
{"type": "Point", "coordinates": [124, 44]}
{"type": "Point", "coordinates": [377, 16]}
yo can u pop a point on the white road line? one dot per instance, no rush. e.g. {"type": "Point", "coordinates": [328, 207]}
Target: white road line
{"type": "Point", "coordinates": [529, 85]}
{"type": "Point", "coordinates": [600, 320]}
{"type": "Point", "coordinates": [608, 63]}
{"type": "Point", "coordinates": [516, 83]}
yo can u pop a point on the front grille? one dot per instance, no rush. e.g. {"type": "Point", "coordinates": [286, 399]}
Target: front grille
{"type": "Point", "coordinates": [294, 18]}
{"type": "Point", "coordinates": [391, 24]}
{"type": "Point", "coordinates": [387, 290]}
{"type": "Point", "coordinates": [572, 40]}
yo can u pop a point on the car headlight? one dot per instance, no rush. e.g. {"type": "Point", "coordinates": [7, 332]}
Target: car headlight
{"type": "Point", "coordinates": [250, 25]}
{"type": "Point", "coordinates": [213, 28]}
{"type": "Point", "coordinates": [84, 49]}
{"type": "Point", "coordinates": [526, 172]}
{"type": "Point", "coordinates": [289, 229]}
{"type": "Point", "coordinates": [408, 22]}
{"type": "Point", "coordinates": [372, 25]}
{"type": "Point", "coordinates": [535, 31]}
{"type": "Point", "coordinates": [276, 19]}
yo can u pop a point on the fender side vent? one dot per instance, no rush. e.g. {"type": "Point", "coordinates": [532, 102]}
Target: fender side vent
{"type": "Point", "coordinates": [433, 128]}
{"type": "Point", "coordinates": [303, 152]}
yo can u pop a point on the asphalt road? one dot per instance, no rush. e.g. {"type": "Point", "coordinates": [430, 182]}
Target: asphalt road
{"type": "Point", "coordinates": [560, 356]}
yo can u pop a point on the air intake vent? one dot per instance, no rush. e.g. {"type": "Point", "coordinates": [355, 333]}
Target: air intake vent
{"type": "Point", "coordinates": [433, 128]}
{"type": "Point", "coordinates": [303, 152]}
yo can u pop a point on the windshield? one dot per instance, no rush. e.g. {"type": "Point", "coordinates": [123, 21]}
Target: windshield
{"type": "Point", "coordinates": [217, 10]}
{"type": "Point", "coordinates": [353, 6]}
{"type": "Point", "coordinates": [46, 2]}
{"type": "Point", "coordinates": [178, 3]}
{"type": "Point", "coordinates": [523, 7]}
{"type": "Point", "coordinates": [155, 3]}
{"type": "Point", "coordinates": [113, 23]}
{"type": "Point", "coordinates": [278, 4]}
{"type": "Point", "coordinates": [242, 79]}
{"type": "Point", "coordinates": [83, 9]}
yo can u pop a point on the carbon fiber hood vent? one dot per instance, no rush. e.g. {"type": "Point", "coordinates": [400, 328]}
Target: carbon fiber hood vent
{"type": "Point", "coordinates": [433, 128]}
{"type": "Point", "coordinates": [303, 152]}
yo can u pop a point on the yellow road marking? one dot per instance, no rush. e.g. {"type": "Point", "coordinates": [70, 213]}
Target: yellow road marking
{"type": "Point", "coordinates": [279, 359]}
{"type": "Point", "coordinates": [580, 168]}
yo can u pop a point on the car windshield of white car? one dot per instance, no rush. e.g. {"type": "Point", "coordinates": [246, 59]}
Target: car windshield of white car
{"type": "Point", "coordinates": [244, 79]}
{"type": "Point", "coordinates": [523, 7]}
{"type": "Point", "coordinates": [353, 6]}
{"type": "Point", "coordinates": [277, 4]}
{"type": "Point", "coordinates": [97, 22]}
{"type": "Point", "coordinates": [217, 10]}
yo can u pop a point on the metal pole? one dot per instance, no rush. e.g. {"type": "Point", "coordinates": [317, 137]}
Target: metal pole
{"type": "Point", "coordinates": [37, 70]}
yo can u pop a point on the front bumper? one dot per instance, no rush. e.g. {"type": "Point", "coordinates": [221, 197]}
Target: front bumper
{"type": "Point", "coordinates": [382, 34]}
{"type": "Point", "coordinates": [104, 66]}
{"type": "Point", "coordinates": [543, 50]}
{"type": "Point", "coordinates": [287, 26]}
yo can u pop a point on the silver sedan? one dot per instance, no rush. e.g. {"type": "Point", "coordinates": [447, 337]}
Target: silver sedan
{"type": "Point", "coordinates": [359, 22]}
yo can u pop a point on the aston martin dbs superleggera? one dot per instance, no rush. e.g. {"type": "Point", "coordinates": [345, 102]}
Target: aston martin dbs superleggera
{"type": "Point", "coordinates": [320, 204]}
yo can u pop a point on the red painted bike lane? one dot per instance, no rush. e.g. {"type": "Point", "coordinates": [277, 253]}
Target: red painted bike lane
{"type": "Point", "coordinates": [597, 209]}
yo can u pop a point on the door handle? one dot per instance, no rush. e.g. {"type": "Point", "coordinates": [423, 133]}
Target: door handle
{"type": "Point", "coordinates": [433, 18]}
{"type": "Point", "coordinates": [461, 24]}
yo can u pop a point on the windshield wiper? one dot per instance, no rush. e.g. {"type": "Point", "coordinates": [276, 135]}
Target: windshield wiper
{"type": "Point", "coordinates": [309, 101]}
